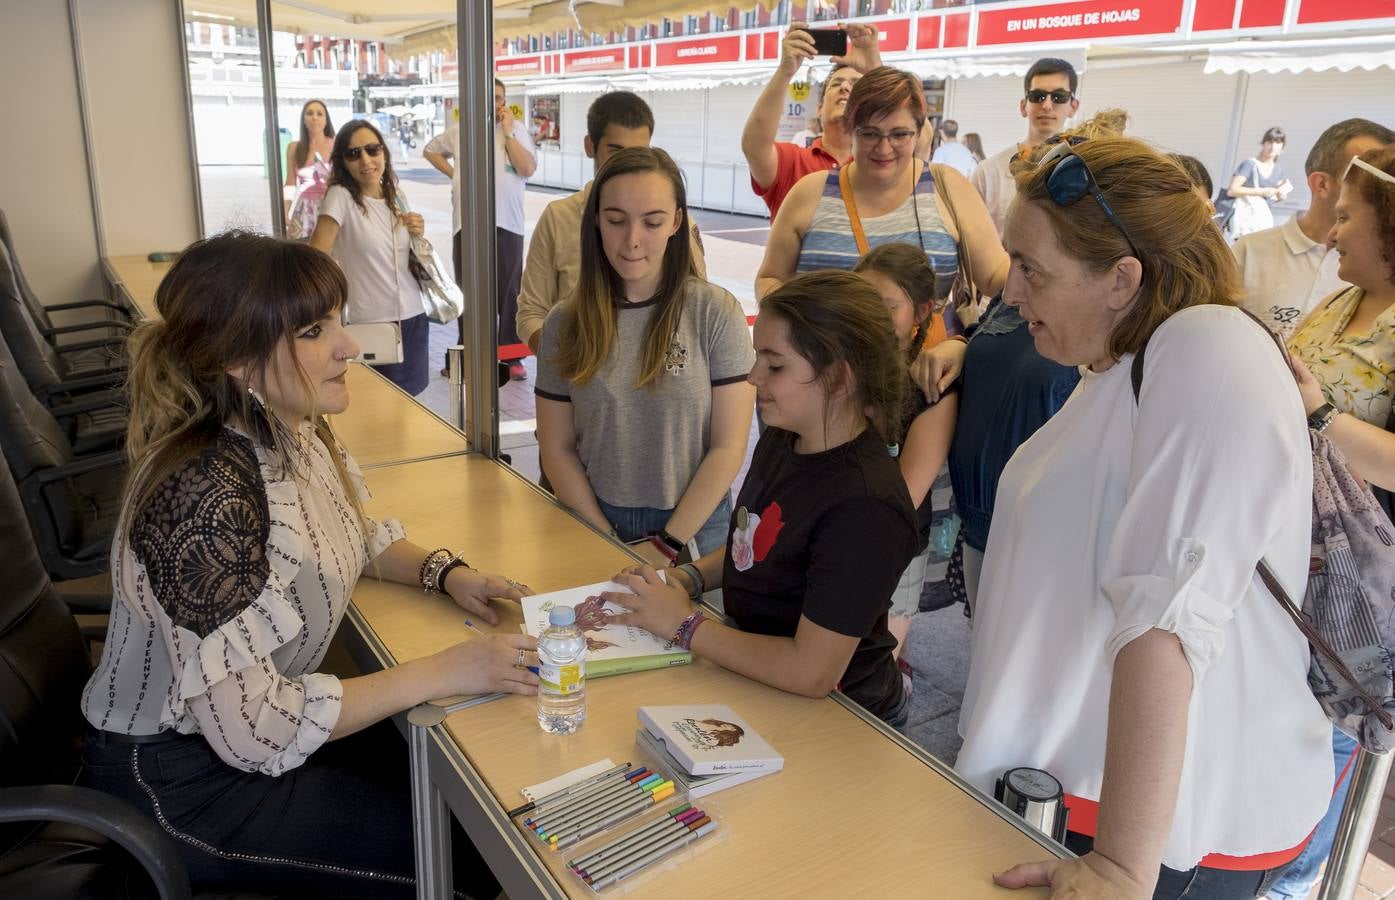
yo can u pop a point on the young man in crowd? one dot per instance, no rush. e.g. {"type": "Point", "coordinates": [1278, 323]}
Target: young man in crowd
{"type": "Point", "coordinates": [776, 165]}
{"type": "Point", "coordinates": [1288, 270]}
{"type": "Point", "coordinates": [514, 163]}
{"type": "Point", "coordinates": [952, 153]}
{"type": "Point", "coordinates": [1049, 102]}
{"type": "Point", "coordinates": [616, 120]}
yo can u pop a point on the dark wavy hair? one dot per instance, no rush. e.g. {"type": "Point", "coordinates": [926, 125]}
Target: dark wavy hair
{"type": "Point", "coordinates": [339, 170]}
{"type": "Point", "coordinates": [1381, 195]}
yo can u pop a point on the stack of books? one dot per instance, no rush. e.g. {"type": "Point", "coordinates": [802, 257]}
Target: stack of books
{"type": "Point", "coordinates": [705, 748]}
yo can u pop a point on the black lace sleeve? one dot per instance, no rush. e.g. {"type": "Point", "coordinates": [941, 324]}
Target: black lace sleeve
{"type": "Point", "coordinates": [202, 536]}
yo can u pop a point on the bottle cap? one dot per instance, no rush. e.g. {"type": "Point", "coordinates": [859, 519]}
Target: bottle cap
{"type": "Point", "coordinates": [561, 616]}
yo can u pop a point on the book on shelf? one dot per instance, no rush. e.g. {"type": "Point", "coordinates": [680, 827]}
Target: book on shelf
{"type": "Point", "coordinates": [694, 785]}
{"type": "Point", "coordinates": [611, 648]}
{"type": "Point", "coordinates": [709, 740]}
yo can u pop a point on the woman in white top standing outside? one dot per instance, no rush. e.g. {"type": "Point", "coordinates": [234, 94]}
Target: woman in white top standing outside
{"type": "Point", "coordinates": [1122, 640]}
{"type": "Point", "coordinates": [364, 225]}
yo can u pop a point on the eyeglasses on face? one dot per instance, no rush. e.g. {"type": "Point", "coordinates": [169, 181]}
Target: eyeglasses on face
{"type": "Point", "coordinates": [1072, 179]}
{"type": "Point", "coordinates": [873, 137]}
{"type": "Point", "coordinates": [353, 153]}
{"type": "Point", "coordinates": [1058, 97]}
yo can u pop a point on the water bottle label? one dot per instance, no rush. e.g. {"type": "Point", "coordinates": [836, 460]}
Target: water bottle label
{"type": "Point", "coordinates": [567, 679]}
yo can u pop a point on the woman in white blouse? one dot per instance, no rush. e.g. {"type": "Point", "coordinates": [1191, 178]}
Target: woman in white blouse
{"type": "Point", "coordinates": [1122, 640]}
{"type": "Point", "coordinates": [364, 223]}
{"type": "Point", "coordinates": [241, 538]}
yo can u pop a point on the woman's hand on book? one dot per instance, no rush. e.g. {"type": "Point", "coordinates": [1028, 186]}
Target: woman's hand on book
{"type": "Point", "coordinates": [472, 590]}
{"type": "Point", "coordinates": [657, 606]}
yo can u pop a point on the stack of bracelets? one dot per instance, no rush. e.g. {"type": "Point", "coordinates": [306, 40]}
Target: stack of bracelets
{"type": "Point", "coordinates": [436, 567]}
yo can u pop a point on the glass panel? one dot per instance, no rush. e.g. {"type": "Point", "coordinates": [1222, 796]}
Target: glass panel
{"type": "Point", "coordinates": [225, 81]}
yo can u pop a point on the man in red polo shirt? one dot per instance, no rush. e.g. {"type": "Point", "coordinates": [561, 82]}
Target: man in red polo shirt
{"type": "Point", "coordinates": [777, 165]}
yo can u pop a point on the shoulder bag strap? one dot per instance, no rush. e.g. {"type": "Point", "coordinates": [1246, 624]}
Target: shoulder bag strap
{"type": "Point", "coordinates": [961, 246]}
{"type": "Point", "coordinates": [1266, 575]}
{"type": "Point", "coordinates": [850, 202]}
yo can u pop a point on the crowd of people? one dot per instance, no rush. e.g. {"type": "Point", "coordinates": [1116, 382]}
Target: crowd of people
{"type": "Point", "coordinates": [958, 321]}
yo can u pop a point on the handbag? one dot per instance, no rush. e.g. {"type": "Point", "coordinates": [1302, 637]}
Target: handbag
{"type": "Point", "coordinates": [441, 298]}
{"type": "Point", "coordinates": [963, 292]}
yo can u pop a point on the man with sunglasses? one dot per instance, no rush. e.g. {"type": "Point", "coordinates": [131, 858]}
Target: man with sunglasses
{"type": "Point", "coordinates": [1049, 101]}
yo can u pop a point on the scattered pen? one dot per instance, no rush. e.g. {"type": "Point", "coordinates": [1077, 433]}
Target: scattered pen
{"type": "Point", "coordinates": [569, 789]}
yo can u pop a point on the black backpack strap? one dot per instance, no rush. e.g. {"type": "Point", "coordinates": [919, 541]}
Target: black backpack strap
{"type": "Point", "coordinates": [1276, 590]}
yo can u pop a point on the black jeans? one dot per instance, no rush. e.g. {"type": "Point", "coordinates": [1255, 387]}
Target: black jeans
{"type": "Point", "coordinates": [508, 260]}
{"type": "Point", "coordinates": [340, 825]}
{"type": "Point", "coordinates": [1200, 883]}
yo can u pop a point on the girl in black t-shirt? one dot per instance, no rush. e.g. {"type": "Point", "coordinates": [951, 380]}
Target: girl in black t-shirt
{"type": "Point", "coordinates": [824, 525]}
{"type": "Point", "coordinates": [908, 286]}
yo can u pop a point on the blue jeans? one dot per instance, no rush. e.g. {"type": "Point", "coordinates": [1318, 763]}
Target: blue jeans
{"type": "Point", "coordinates": [635, 522]}
{"type": "Point", "coordinates": [1199, 883]}
{"type": "Point", "coordinates": [1298, 881]}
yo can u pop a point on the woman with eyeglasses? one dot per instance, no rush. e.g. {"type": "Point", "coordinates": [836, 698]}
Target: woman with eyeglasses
{"type": "Point", "coordinates": [1123, 641]}
{"type": "Point", "coordinates": [364, 224]}
{"type": "Point", "coordinates": [830, 220]}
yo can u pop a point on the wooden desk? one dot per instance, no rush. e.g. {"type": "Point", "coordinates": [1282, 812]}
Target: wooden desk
{"type": "Point", "coordinates": [857, 809]}
{"type": "Point", "coordinates": [136, 278]}
{"type": "Point", "coordinates": [382, 425]}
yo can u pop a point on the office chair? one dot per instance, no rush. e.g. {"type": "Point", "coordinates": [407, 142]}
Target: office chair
{"type": "Point", "coordinates": [113, 318]}
{"type": "Point", "coordinates": [73, 501]}
{"type": "Point", "coordinates": [115, 850]}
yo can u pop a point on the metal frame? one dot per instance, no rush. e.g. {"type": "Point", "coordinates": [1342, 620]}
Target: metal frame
{"type": "Point", "coordinates": [475, 163]}
{"type": "Point", "coordinates": [80, 74]}
{"type": "Point", "coordinates": [275, 176]}
{"type": "Point", "coordinates": [179, 24]}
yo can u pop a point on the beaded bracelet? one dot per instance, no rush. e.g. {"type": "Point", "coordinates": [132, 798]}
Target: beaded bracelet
{"type": "Point", "coordinates": [455, 562]}
{"type": "Point", "coordinates": [683, 637]}
{"type": "Point", "coordinates": [431, 567]}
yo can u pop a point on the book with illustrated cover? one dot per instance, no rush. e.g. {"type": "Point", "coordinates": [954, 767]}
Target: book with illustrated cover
{"type": "Point", "coordinates": [709, 740]}
{"type": "Point", "coordinates": [611, 648]}
{"type": "Point", "coordinates": [694, 786]}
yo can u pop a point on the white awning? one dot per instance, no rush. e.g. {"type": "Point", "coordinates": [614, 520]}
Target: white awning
{"type": "Point", "coordinates": [1272, 57]}
{"type": "Point", "coordinates": [979, 65]}
{"type": "Point", "coordinates": [642, 81]}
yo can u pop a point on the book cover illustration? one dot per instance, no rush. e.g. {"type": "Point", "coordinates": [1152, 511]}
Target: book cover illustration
{"type": "Point", "coordinates": [708, 740]}
{"type": "Point", "coordinates": [607, 641]}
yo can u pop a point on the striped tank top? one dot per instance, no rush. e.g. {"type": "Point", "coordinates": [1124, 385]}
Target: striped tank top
{"type": "Point", "coordinates": [829, 243]}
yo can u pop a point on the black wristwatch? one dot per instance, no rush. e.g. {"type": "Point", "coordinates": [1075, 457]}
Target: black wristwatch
{"type": "Point", "coordinates": [1320, 418]}
{"type": "Point", "coordinates": [673, 543]}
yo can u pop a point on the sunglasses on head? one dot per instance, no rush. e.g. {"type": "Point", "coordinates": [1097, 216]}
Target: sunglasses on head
{"type": "Point", "coordinates": [1072, 179]}
{"type": "Point", "coordinates": [1058, 97]}
{"type": "Point", "coordinates": [353, 153]}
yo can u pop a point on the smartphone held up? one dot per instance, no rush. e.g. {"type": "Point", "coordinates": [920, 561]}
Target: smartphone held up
{"type": "Point", "coordinates": [829, 41]}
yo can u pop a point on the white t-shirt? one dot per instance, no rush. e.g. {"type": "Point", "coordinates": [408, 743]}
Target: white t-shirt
{"type": "Point", "coordinates": [995, 185]}
{"type": "Point", "coordinates": [1118, 517]}
{"type": "Point", "coordinates": [372, 250]}
{"type": "Point", "coordinates": [953, 153]}
{"type": "Point", "coordinates": [508, 184]}
{"type": "Point", "coordinates": [1285, 274]}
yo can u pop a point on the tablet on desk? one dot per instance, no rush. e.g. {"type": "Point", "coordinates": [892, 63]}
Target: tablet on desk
{"type": "Point", "coordinates": [379, 343]}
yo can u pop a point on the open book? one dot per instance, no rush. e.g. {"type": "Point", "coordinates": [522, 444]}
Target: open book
{"type": "Point", "coordinates": [611, 649]}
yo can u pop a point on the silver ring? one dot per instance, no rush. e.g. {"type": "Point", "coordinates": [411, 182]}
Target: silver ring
{"type": "Point", "coordinates": [519, 664]}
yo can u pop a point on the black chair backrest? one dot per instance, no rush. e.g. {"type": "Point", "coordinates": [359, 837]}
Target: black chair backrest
{"type": "Point", "coordinates": [26, 292]}
{"type": "Point", "coordinates": [37, 358]}
{"type": "Point", "coordinates": [43, 661]}
{"type": "Point", "coordinates": [30, 436]}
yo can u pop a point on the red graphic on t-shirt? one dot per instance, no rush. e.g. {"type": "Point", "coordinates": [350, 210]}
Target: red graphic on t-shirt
{"type": "Point", "coordinates": [766, 532]}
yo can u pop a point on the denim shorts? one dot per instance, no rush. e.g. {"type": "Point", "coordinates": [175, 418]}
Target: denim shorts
{"type": "Point", "coordinates": [635, 522]}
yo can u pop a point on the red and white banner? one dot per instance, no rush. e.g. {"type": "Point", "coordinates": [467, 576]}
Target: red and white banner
{"type": "Point", "coordinates": [506, 66]}
{"type": "Point", "coordinates": [893, 35]}
{"type": "Point", "coordinates": [723, 49]}
{"type": "Point", "coordinates": [1084, 20]}
{"type": "Point", "coordinates": [1312, 12]}
{"type": "Point", "coordinates": [599, 59]}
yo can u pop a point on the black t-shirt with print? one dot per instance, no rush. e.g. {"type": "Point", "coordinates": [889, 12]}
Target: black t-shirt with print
{"type": "Point", "coordinates": [827, 536]}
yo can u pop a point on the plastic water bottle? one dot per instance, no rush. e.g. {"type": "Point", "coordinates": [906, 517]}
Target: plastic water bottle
{"type": "Point", "coordinates": [561, 673]}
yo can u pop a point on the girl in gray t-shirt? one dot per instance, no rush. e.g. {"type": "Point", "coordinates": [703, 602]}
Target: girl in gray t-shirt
{"type": "Point", "coordinates": [644, 411]}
